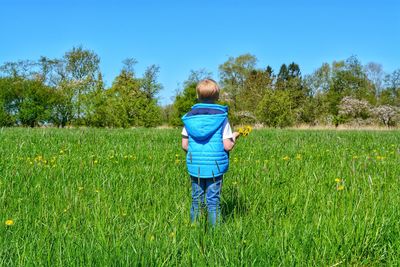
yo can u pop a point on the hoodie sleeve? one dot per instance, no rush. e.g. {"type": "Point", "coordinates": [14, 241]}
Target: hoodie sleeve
{"type": "Point", "coordinates": [227, 134]}
{"type": "Point", "coordinates": [184, 132]}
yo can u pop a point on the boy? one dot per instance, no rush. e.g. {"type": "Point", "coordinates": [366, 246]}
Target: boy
{"type": "Point", "coordinates": [207, 138]}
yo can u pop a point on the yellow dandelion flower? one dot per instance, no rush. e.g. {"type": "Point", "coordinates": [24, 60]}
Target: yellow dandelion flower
{"type": "Point", "coordinates": [355, 157]}
{"type": "Point", "coordinates": [298, 157]}
{"type": "Point", "coordinates": [338, 180]}
{"type": "Point", "coordinates": [95, 162]}
{"type": "Point", "coordinates": [172, 235]}
{"type": "Point", "coordinates": [286, 158]}
{"type": "Point", "coordinates": [9, 222]}
{"type": "Point", "coordinates": [245, 131]}
{"type": "Point", "coordinates": [340, 187]}
{"type": "Point", "coordinates": [177, 161]}
{"type": "Point", "coordinates": [380, 157]}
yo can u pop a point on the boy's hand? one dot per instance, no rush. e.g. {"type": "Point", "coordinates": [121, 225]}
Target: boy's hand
{"type": "Point", "coordinates": [185, 143]}
{"type": "Point", "coordinates": [235, 136]}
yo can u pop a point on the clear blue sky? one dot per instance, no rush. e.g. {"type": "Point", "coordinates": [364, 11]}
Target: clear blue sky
{"type": "Point", "coordinates": [187, 35]}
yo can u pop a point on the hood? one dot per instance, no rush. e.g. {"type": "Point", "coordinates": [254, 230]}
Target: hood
{"type": "Point", "coordinates": [202, 127]}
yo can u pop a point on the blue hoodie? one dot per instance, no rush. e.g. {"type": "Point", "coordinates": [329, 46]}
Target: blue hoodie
{"type": "Point", "coordinates": [206, 156]}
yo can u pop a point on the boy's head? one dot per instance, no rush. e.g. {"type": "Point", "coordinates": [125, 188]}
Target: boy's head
{"type": "Point", "coordinates": [207, 90]}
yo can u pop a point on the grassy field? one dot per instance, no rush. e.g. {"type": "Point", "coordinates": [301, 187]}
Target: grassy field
{"type": "Point", "coordinates": [121, 197]}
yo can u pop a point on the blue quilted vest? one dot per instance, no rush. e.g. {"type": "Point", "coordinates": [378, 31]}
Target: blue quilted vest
{"type": "Point", "coordinates": [206, 157]}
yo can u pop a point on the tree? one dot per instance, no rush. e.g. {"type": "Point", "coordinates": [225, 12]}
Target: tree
{"type": "Point", "coordinates": [36, 103]}
{"type": "Point", "coordinates": [6, 99]}
{"type": "Point", "coordinates": [26, 102]}
{"type": "Point", "coordinates": [98, 98]}
{"type": "Point", "coordinates": [183, 102]}
{"type": "Point", "coordinates": [310, 110]}
{"type": "Point", "coordinates": [82, 67]}
{"type": "Point", "coordinates": [21, 69]}
{"type": "Point", "coordinates": [128, 65]}
{"type": "Point", "coordinates": [195, 76]}
{"type": "Point", "coordinates": [255, 87]}
{"type": "Point", "coordinates": [296, 87]}
{"type": "Point", "coordinates": [282, 78]}
{"type": "Point", "coordinates": [167, 114]}
{"type": "Point", "coordinates": [108, 111]}
{"type": "Point", "coordinates": [357, 81]}
{"type": "Point", "coordinates": [149, 84]}
{"type": "Point", "coordinates": [375, 74]}
{"type": "Point", "coordinates": [320, 80]}
{"type": "Point", "coordinates": [391, 93]}
{"type": "Point", "coordinates": [388, 115]}
{"type": "Point", "coordinates": [149, 113]}
{"type": "Point", "coordinates": [318, 84]}
{"type": "Point", "coordinates": [348, 79]}
{"type": "Point", "coordinates": [289, 79]}
{"type": "Point", "coordinates": [234, 73]}
{"type": "Point", "coordinates": [293, 71]}
{"type": "Point", "coordinates": [126, 91]}
{"type": "Point", "coordinates": [52, 72]}
{"type": "Point", "coordinates": [352, 108]}
{"type": "Point", "coordinates": [63, 108]}
{"type": "Point", "coordinates": [137, 96]}
{"type": "Point", "coordinates": [5, 118]}
{"type": "Point", "coordinates": [275, 109]}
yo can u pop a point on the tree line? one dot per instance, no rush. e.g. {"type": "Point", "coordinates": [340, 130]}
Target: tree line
{"type": "Point", "coordinates": [343, 92]}
{"type": "Point", "coordinates": [69, 91]}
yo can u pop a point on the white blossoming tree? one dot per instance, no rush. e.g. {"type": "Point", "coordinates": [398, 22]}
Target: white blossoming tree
{"type": "Point", "coordinates": [353, 108]}
{"type": "Point", "coordinates": [388, 115]}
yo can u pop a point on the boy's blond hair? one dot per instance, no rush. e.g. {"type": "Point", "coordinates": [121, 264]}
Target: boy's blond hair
{"type": "Point", "coordinates": [207, 89]}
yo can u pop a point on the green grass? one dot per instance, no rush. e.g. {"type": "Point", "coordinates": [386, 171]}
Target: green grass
{"type": "Point", "coordinates": [95, 197]}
